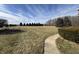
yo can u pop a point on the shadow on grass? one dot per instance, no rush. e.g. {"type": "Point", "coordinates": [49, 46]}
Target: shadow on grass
{"type": "Point", "coordinates": [10, 31]}
{"type": "Point", "coordinates": [69, 35]}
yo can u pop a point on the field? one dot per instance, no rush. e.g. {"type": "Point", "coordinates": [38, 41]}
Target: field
{"type": "Point", "coordinates": [25, 39]}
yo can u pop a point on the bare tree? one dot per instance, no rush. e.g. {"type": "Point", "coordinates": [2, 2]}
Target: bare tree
{"type": "Point", "coordinates": [59, 22]}
{"type": "Point", "coordinates": [67, 22]}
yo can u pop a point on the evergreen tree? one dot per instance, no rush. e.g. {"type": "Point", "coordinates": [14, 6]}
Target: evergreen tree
{"type": "Point", "coordinates": [24, 24]}
{"type": "Point", "coordinates": [20, 23]}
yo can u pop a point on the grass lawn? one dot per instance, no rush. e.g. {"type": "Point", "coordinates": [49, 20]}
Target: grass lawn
{"type": "Point", "coordinates": [30, 39]}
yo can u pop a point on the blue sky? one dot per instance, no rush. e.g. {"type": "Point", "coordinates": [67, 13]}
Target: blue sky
{"type": "Point", "coordinates": [16, 13]}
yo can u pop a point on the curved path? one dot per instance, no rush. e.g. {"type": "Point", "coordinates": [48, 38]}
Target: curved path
{"type": "Point", "coordinates": [50, 45]}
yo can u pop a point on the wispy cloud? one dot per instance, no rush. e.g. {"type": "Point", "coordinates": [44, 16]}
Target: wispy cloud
{"type": "Point", "coordinates": [67, 11]}
{"type": "Point", "coordinates": [12, 17]}
{"type": "Point", "coordinates": [35, 13]}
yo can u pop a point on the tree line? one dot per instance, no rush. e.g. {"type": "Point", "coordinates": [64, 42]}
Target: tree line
{"type": "Point", "coordinates": [63, 22]}
{"type": "Point", "coordinates": [26, 24]}
{"type": "Point", "coordinates": [30, 24]}
{"type": "Point", "coordinates": [60, 22]}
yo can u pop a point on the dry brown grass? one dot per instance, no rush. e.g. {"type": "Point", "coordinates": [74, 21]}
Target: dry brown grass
{"type": "Point", "coordinates": [72, 29]}
{"type": "Point", "coordinates": [67, 47]}
{"type": "Point", "coordinates": [29, 41]}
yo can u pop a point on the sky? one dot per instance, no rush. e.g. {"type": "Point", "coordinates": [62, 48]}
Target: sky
{"type": "Point", "coordinates": [35, 13]}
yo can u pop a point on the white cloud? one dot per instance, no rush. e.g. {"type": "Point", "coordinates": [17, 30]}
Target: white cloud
{"type": "Point", "coordinates": [15, 19]}
{"type": "Point", "coordinates": [68, 10]}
